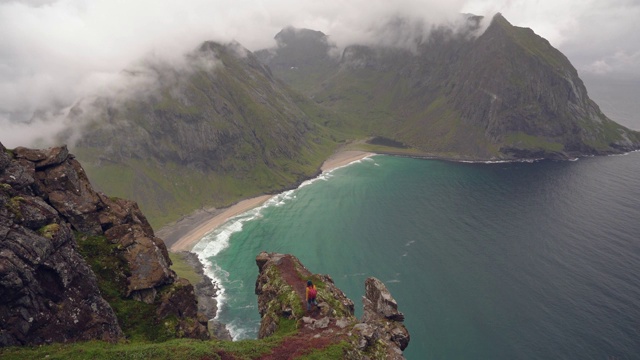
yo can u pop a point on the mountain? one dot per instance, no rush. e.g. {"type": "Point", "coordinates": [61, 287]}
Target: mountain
{"type": "Point", "coordinates": [214, 130]}
{"type": "Point", "coordinates": [227, 124]}
{"type": "Point", "coordinates": [501, 94]}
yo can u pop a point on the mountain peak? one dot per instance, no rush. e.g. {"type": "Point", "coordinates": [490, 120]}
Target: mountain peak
{"type": "Point", "coordinates": [290, 33]}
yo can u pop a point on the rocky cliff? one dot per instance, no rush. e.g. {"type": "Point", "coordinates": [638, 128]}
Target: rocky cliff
{"type": "Point", "coordinates": [78, 265]}
{"type": "Point", "coordinates": [280, 287]}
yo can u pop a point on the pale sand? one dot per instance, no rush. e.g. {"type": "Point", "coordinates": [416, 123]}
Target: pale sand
{"type": "Point", "coordinates": [343, 158]}
{"type": "Point", "coordinates": [187, 241]}
{"type": "Point", "coordinates": [201, 222]}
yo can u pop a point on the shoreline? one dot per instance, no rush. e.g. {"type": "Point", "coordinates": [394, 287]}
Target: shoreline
{"type": "Point", "coordinates": [185, 233]}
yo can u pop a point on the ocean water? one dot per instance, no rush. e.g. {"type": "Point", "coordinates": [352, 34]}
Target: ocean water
{"type": "Point", "coordinates": [487, 261]}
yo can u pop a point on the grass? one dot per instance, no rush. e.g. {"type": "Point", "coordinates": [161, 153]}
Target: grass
{"type": "Point", "coordinates": [49, 231]}
{"type": "Point", "coordinates": [169, 350]}
{"type": "Point", "coordinates": [137, 320]}
{"type": "Point", "coordinates": [183, 269]}
{"type": "Point", "coordinates": [334, 351]}
{"type": "Point", "coordinates": [525, 141]}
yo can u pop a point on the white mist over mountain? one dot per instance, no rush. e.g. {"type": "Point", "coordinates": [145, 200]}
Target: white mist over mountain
{"type": "Point", "coordinates": [54, 52]}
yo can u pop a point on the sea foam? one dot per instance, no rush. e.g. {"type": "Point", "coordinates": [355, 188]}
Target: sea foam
{"type": "Point", "coordinates": [218, 239]}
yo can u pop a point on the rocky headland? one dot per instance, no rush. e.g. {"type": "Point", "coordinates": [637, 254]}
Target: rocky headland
{"type": "Point", "coordinates": [76, 264]}
{"type": "Point", "coordinates": [280, 287]}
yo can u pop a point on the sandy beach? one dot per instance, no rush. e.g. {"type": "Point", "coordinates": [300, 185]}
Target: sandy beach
{"type": "Point", "coordinates": [185, 233]}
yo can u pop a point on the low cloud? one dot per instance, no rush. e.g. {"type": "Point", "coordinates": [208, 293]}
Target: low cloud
{"type": "Point", "coordinates": [54, 52]}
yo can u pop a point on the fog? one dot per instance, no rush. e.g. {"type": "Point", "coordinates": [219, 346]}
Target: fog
{"type": "Point", "coordinates": [54, 52]}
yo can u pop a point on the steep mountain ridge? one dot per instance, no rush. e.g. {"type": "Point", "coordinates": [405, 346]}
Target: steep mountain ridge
{"type": "Point", "coordinates": [503, 94]}
{"type": "Point", "coordinates": [223, 126]}
{"type": "Point", "coordinates": [217, 130]}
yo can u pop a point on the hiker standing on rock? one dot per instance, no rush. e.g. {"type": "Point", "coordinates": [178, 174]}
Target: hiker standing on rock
{"type": "Point", "coordinates": [310, 295]}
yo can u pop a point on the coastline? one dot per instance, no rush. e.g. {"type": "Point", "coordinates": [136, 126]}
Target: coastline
{"type": "Point", "coordinates": [203, 223]}
{"type": "Point", "coordinates": [186, 232]}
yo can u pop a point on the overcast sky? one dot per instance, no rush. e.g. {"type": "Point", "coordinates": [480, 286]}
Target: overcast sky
{"type": "Point", "coordinates": [55, 51]}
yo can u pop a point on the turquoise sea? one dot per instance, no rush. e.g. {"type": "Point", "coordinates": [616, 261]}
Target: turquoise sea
{"type": "Point", "coordinates": [487, 261]}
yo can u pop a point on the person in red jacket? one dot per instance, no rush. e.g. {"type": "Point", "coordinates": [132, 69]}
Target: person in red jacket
{"type": "Point", "coordinates": [310, 295]}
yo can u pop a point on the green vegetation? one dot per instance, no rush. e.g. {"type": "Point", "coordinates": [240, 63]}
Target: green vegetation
{"type": "Point", "coordinates": [288, 298]}
{"type": "Point", "coordinates": [535, 45]}
{"type": "Point", "coordinates": [335, 351]}
{"type": "Point", "coordinates": [136, 319]}
{"type": "Point", "coordinates": [169, 350]}
{"type": "Point", "coordinates": [49, 231]}
{"type": "Point", "coordinates": [13, 205]}
{"type": "Point", "coordinates": [183, 269]}
{"type": "Point", "coordinates": [525, 141]}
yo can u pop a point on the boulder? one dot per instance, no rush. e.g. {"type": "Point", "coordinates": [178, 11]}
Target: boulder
{"type": "Point", "coordinates": [381, 311]}
{"type": "Point", "coordinates": [43, 158]}
{"type": "Point", "coordinates": [379, 302]}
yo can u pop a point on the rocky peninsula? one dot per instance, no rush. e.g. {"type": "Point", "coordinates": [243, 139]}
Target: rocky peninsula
{"type": "Point", "coordinates": [280, 287]}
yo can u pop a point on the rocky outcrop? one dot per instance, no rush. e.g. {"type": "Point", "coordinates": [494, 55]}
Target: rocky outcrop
{"type": "Point", "coordinates": [48, 293]}
{"type": "Point", "coordinates": [206, 291]}
{"type": "Point", "coordinates": [280, 287]}
{"type": "Point", "coordinates": [381, 320]}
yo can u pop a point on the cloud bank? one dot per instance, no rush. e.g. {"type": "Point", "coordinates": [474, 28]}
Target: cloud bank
{"type": "Point", "coordinates": [53, 52]}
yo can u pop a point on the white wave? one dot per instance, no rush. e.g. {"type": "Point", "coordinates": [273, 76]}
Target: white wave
{"type": "Point", "coordinates": [530, 161]}
{"type": "Point", "coordinates": [356, 274]}
{"type": "Point", "coordinates": [248, 307]}
{"type": "Point", "coordinates": [409, 243]}
{"type": "Point", "coordinates": [217, 240]}
{"type": "Point", "coordinates": [367, 158]}
{"type": "Point", "coordinates": [241, 330]}
{"type": "Point", "coordinates": [217, 276]}
{"type": "Point", "coordinates": [392, 281]}
{"type": "Point", "coordinates": [237, 332]}
{"type": "Point", "coordinates": [626, 153]}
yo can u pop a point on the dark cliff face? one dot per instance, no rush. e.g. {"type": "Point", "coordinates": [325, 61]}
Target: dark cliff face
{"type": "Point", "coordinates": [48, 292]}
{"type": "Point", "coordinates": [515, 86]}
{"type": "Point", "coordinates": [49, 215]}
{"type": "Point", "coordinates": [503, 94]}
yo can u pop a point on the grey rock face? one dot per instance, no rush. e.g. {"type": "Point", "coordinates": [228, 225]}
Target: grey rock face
{"type": "Point", "coordinates": [48, 293]}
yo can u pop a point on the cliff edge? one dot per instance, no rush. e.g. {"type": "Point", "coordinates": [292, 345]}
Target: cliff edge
{"type": "Point", "coordinates": [332, 325]}
{"type": "Point", "coordinates": [76, 264]}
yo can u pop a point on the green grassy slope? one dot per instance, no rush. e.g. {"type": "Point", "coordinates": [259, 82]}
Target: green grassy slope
{"type": "Point", "coordinates": [205, 136]}
{"type": "Point", "coordinates": [503, 94]}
